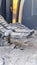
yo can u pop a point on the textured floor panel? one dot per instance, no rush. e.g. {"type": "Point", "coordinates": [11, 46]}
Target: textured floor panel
{"type": "Point", "coordinates": [10, 56]}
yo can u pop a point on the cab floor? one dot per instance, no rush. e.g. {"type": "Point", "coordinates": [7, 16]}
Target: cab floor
{"type": "Point", "coordinates": [10, 56]}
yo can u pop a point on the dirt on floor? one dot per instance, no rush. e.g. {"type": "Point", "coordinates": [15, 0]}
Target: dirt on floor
{"type": "Point", "coordinates": [18, 56]}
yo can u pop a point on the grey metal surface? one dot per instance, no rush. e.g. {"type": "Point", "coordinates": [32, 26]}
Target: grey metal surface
{"type": "Point", "coordinates": [29, 14]}
{"type": "Point", "coordinates": [22, 53]}
{"type": "Point", "coordinates": [5, 9]}
{"type": "Point", "coordinates": [8, 11]}
{"type": "Point", "coordinates": [16, 32]}
{"type": "Point", "coordinates": [1, 7]}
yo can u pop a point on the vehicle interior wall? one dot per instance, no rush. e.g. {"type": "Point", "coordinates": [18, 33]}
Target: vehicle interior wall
{"type": "Point", "coordinates": [5, 10]}
{"type": "Point", "coordinates": [29, 14]}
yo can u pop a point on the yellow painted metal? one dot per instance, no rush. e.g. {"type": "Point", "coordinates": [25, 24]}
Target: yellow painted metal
{"type": "Point", "coordinates": [15, 3]}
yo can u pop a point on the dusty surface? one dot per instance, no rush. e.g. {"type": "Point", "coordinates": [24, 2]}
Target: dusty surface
{"type": "Point", "coordinates": [24, 55]}
{"type": "Point", "coordinates": [10, 56]}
